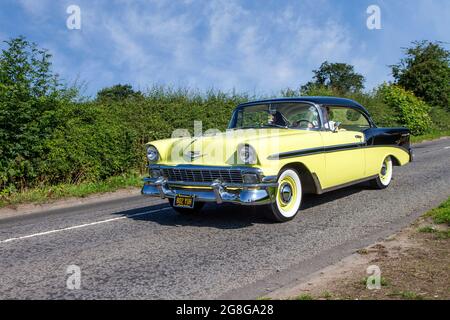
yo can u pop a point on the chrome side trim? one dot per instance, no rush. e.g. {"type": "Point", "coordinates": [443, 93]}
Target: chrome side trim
{"type": "Point", "coordinates": [318, 150]}
{"type": "Point", "coordinates": [329, 149]}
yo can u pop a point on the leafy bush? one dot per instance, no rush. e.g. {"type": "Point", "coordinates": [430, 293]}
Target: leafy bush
{"type": "Point", "coordinates": [440, 119]}
{"type": "Point", "coordinates": [30, 95]}
{"type": "Point", "coordinates": [410, 111]}
{"type": "Point", "coordinates": [89, 144]}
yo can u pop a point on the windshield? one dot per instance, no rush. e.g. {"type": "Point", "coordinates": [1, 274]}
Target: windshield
{"type": "Point", "coordinates": [281, 115]}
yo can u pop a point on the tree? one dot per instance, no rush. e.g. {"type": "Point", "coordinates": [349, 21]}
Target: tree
{"type": "Point", "coordinates": [118, 92]}
{"type": "Point", "coordinates": [339, 77]}
{"type": "Point", "coordinates": [27, 69]}
{"type": "Point", "coordinates": [30, 93]}
{"type": "Point", "coordinates": [425, 71]}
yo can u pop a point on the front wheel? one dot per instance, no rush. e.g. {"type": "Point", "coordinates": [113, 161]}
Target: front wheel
{"type": "Point", "coordinates": [384, 177]}
{"type": "Point", "coordinates": [198, 206]}
{"type": "Point", "coordinates": [288, 197]}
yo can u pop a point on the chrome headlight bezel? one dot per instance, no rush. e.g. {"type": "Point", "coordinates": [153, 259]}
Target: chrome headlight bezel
{"type": "Point", "coordinates": [152, 153]}
{"type": "Point", "coordinates": [247, 154]}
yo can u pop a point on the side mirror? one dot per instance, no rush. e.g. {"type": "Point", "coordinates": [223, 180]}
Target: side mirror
{"type": "Point", "coordinates": [336, 126]}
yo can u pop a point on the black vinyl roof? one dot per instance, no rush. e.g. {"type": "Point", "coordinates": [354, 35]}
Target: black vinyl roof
{"type": "Point", "coordinates": [332, 101]}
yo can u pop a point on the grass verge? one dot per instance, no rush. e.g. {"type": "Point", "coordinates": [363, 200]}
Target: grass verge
{"type": "Point", "coordinates": [66, 190]}
{"type": "Point", "coordinates": [441, 214]}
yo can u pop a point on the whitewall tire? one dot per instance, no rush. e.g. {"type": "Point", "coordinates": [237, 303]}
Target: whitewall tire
{"type": "Point", "coordinates": [384, 177]}
{"type": "Point", "coordinates": [288, 197]}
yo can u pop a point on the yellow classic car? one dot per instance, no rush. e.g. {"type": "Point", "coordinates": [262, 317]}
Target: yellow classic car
{"type": "Point", "coordinates": [273, 152]}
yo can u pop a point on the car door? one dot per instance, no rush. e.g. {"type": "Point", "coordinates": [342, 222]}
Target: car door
{"type": "Point", "coordinates": [344, 155]}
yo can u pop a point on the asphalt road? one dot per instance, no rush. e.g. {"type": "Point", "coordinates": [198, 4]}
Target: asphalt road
{"type": "Point", "coordinates": [139, 248]}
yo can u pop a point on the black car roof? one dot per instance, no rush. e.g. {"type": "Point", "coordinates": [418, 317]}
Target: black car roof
{"type": "Point", "coordinates": [317, 100]}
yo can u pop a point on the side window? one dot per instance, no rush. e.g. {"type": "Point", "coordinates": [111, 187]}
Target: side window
{"type": "Point", "coordinates": [350, 119]}
{"type": "Point", "coordinates": [254, 117]}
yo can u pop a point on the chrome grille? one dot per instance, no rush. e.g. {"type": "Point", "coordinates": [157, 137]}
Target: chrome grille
{"type": "Point", "coordinates": [202, 175]}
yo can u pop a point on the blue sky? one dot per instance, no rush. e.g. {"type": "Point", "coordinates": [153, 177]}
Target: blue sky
{"type": "Point", "coordinates": [255, 46]}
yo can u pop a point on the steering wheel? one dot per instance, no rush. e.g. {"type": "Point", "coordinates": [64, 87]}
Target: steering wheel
{"type": "Point", "coordinates": [297, 123]}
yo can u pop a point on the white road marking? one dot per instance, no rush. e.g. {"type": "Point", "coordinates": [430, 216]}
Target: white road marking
{"type": "Point", "coordinates": [447, 147]}
{"type": "Point", "coordinates": [81, 226]}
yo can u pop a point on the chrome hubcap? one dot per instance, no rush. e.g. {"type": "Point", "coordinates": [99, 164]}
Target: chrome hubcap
{"type": "Point", "coordinates": [286, 193]}
{"type": "Point", "coordinates": [383, 169]}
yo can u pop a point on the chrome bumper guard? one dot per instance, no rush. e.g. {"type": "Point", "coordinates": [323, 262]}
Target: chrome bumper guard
{"type": "Point", "coordinates": [216, 191]}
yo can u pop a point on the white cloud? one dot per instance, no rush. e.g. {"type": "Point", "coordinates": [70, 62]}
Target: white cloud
{"type": "Point", "coordinates": [271, 50]}
{"type": "Point", "coordinates": [34, 7]}
{"type": "Point", "coordinates": [224, 20]}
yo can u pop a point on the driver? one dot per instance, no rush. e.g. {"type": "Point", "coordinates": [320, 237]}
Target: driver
{"type": "Point", "coordinates": [277, 119]}
{"type": "Point", "coordinates": [329, 124]}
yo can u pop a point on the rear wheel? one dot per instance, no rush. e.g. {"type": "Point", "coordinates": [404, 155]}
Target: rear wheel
{"type": "Point", "coordinates": [198, 206]}
{"type": "Point", "coordinates": [384, 177]}
{"type": "Point", "coordinates": [288, 197]}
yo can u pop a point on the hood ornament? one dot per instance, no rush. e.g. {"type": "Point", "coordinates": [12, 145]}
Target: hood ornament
{"type": "Point", "coordinates": [192, 155]}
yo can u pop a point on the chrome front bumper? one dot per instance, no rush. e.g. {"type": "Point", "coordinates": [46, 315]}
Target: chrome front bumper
{"type": "Point", "coordinates": [217, 191]}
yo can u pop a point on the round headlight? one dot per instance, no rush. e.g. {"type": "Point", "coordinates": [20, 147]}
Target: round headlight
{"type": "Point", "coordinates": [247, 154]}
{"type": "Point", "coordinates": [152, 154]}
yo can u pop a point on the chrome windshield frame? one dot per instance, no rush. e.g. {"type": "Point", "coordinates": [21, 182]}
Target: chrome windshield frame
{"type": "Point", "coordinates": [233, 120]}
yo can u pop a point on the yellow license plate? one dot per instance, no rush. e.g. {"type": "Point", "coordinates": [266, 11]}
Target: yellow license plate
{"type": "Point", "coordinates": [184, 201]}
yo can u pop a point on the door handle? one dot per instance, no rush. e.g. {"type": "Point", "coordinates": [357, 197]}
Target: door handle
{"type": "Point", "coordinates": [358, 136]}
